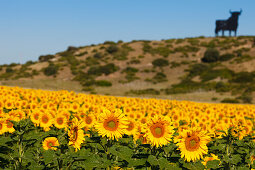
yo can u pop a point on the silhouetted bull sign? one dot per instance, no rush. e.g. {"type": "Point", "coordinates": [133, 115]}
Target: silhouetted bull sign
{"type": "Point", "coordinates": [228, 25]}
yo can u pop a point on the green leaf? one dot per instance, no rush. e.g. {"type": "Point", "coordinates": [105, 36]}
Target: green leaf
{"type": "Point", "coordinates": [236, 159]}
{"type": "Point", "coordinates": [243, 168]}
{"type": "Point", "coordinates": [213, 164]}
{"type": "Point", "coordinates": [153, 160]}
{"type": "Point", "coordinates": [194, 165]}
{"type": "Point", "coordinates": [136, 162]}
{"type": "Point", "coordinates": [169, 148]}
{"type": "Point", "coordinates": [122, 152]}
{"type": "Point", "coordinates": [48, 156]}
{"type": "Point", "coordinates": [165, 164]}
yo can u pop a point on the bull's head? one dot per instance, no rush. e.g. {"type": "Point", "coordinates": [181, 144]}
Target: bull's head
{"type": "Point", "coordinates": [235, 13]}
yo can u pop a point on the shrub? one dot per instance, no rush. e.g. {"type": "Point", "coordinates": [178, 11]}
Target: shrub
{"type": "Point", "coordinates": [106, 69]}
{"type": "Point", "coordinates": [243, 77]}
{"type": "Point", "coordinates": [144, 91]}
{"type": "Point", "coordinates": [226, 57]}
{"type": "Point", "coordinates": [103, 83]}
{"type": "Point", "coordinates": [130, 70]}
{"type": "Point", "coordinates": [112, 49]}
{"type": "Point", "coordinates": [98, 55]}
{"type": "Point", "coordinates": [211, 55]}
{"type": "Point", "coordinates": [159, 77]}
{"type": "Point", "coordinates": [9, 70]}
{"type": "Point", "coordinates": [50, 70]}
{"type": "Point", "coordinates": [71, 48]}
{"type": "Point", "coordinates": [91, 61]}
{"type": "Point", "coordinates": [229, 100]}
{"type": "Point", "coordinates": [160, 62]}
{"type": "Point", "coordinates": [43, 58]}
{"type": "Point", "coordinates": [110, 42]}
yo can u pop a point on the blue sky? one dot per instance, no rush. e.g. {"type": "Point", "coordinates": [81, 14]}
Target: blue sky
{"type": "Point", "coordinates": [30, 28]}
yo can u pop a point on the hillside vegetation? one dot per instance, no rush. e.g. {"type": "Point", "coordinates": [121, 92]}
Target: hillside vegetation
{"type": "Point", "coordinates": [218, 69]}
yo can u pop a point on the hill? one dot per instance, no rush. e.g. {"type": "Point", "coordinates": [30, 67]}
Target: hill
{"type": "Point", "coordinates": [203, 69]}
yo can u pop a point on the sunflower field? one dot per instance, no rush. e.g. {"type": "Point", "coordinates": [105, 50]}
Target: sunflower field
{"type": "Point", "coordinates": [65, 130]}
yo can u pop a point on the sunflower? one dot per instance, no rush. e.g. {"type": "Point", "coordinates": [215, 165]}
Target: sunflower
{"type": "Point", "coordinates": [45, 120]}
{"type": "Point", "coordinates": [192, 144]}
{"type": "Point", "coordinates": [50, 143]}
{"type": "Point", "coordinates": [131, 129]}
{"type": "Point", "coordinates": [60, 121]}
{"type": "Point", "coordinates": [112, 124]}
{"type": "Point", "coordinates": [35, 117]}
{"type": "Point", "coordinates": [89, 120]}
{"type": "Point", "coordinates": [3, 127]}
{"type": "Point", "coordinates": [159, 130]}
{"type": "Point", "coordinates": [76, 134]}
{"type": "Point", "coordinates": [9, 126]}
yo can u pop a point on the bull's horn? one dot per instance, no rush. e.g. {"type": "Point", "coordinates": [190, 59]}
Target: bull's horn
{"type": "Point", "coordinates": [241, 10]}
{"type": "Point", "coordinates": [230, 11]}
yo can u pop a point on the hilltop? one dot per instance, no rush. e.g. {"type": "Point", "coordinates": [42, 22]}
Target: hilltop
{"type": "Point", "coordinates": [202, 69]}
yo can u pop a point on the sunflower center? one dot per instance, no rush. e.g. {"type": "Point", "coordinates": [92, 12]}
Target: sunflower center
{"type": "Point", "coordinates": [9, 124]}
{"type": "Point", "coordinates": [45, 119]}
{"type": "Point", "coordinates": [111, 124]}
{"type": "Point", "coordinates": [60, 121]}
{"type": "Point", "coordinates": [1, 126]}
{"type": "Point", "coordinates": [88, 120]}
{"type": "Point", "coordinates": [50, 144]}
{"type": "Point", "coordinates": [36, 117]}
{"type": "Point", "coordinates": [158, 130]}
{"type": "Point", "coordinates": [192, 143]}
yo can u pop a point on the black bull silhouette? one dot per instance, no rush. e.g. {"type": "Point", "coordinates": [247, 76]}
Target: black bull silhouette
{"type": "Point", "coordinates": [230, 24]}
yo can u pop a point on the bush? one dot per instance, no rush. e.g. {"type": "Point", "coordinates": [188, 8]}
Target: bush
{"type": "Point", "coordinates": [229, 100]}
{"type": "Point", "coordinates": [98, 55]}
{"type": "Point", "coordinates": [243, 77]}
{"type": "Point", "coordinates": [106, 69]}
{"type": "Point", "coordinates": [144, 91]}
{"type": "Point", "coordinates": [9, 70]}
{"type": "Point", "coordinates": [226, 57]}
{"type": "Point", "coordinates": [103, 83]}
{"type": "Point", "coordinates": [160, 62]}
{"type": "Point", "coordinates": [71, 48]}
{"type": "Point", "coordinates": [50, 70]}
{"type": "Point", "coordinates": [211, 55]}
{"type": "Point", "coordinates": [43, 58]}
{"type": "Point", "coordinates": [112, 49]}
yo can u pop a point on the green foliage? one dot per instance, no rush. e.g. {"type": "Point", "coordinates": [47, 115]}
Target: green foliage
{"type": "Point", "coordinates": [98, 55]}
{"type": "Point", "coordinates": [112, 49]}
{"type": "Point", "coordinates": [160, 62]}
{"type": "Point", "coordinates": [186, 49]}
{"type": "Point", "coordinates": [158, 78]}
{"type": "Point", "coordinates": [130, 74]}
{"type": "Point", "coordinates": [105, 69]}
{"type": "Point", "coordinates": [229, 100]}
{"type": "Point", "coordinates": [103, 83]}
{"type": "Point", "coordinates": [52, 69]}
{"type": "Point", "coordinates": [43, 58]}
{"type": "Point", "coordinates": [243, 77]}
{"type": "Point", "coordinates": [163, 51]}
{"type": "Point", "coordinates": [226, 57]}
{"type": "Point", "coordinates": [9, 70]}
{"type": "Point", "coordinates": [211, 55]}
{"type": "Point", "coordinates": [144, 91]}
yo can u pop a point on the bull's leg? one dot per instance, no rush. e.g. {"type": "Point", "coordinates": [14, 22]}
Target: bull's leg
{"type": "Point", "coordinates": [222, 33]}
{"type": "Point", "coordinates": [235, 33]}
